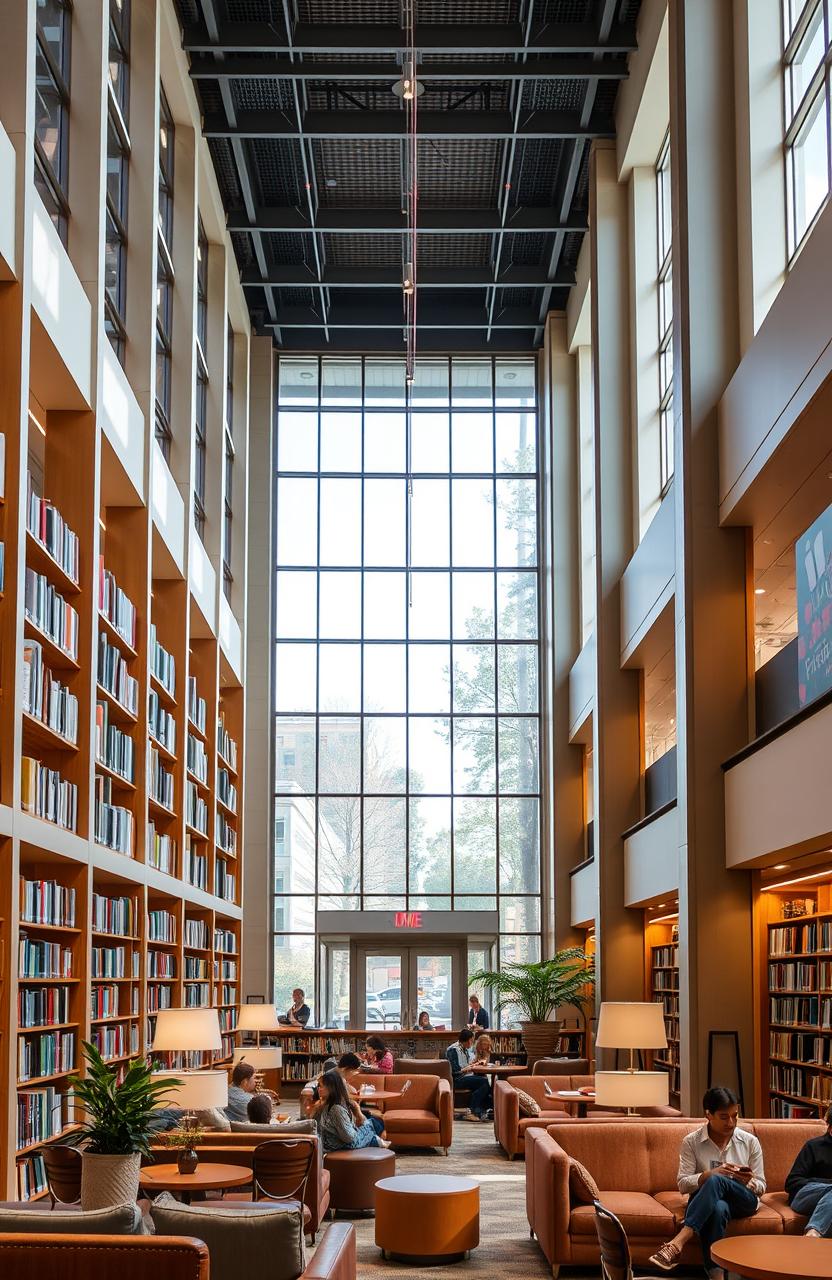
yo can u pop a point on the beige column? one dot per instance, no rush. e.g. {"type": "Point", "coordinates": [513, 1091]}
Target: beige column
{"type": "Point", "coordinates": [712, 679]}
{"type": "Point", "coordinates": [561, 762]}
{"type": "Point", "coordinates": [616, 723]}
{"type": "Point", "coordinates": [259, 773]}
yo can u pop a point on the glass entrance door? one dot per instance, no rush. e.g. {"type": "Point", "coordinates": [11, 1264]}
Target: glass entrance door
{"type": "Point", "coordinates": [393, 985]}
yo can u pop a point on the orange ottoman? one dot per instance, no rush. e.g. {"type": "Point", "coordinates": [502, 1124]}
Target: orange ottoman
{"type": "Point", "coordinates": [427, 1216]}
{"type": "Point", "coordinates": [353, 1176]}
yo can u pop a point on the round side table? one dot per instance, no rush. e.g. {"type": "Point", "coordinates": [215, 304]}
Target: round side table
{"type": "Point", "coordinates": [775, 1257]}
{"type": "Point", "coordinates": [206, 1177]}
{"type": "Point", "coordinates": [427, 1216]}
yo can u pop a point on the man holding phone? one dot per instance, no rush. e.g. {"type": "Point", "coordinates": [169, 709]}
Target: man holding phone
{"type": "Point", "coordinates": [721, 1169]}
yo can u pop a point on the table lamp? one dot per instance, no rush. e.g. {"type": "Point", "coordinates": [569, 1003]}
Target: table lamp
{"type": "Point", "coordinates": [631, 1089]}
{"type": "Point", "coordinates": [192, 1089]}
{"type": "Point", "coordinates": [257, 1018]}
{"type": "Point", "coordinates": [262, 1058]}
{"type": "Point", "coordinates": [631, 1025]}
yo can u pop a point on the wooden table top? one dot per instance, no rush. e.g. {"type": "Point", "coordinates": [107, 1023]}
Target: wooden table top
{"type": "Point", "coordinates": [775, 1257]}
{"type": "Point", "coordinates": [381, 1095]}
{"type": "Point", "coordinates": [496, 1068]}
{"type": "Point", "coordinates": [206, 1177]}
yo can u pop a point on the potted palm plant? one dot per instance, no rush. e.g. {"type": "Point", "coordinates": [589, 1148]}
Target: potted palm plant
{"type": "Point", "coordinates": [118, 1127]}
{"type": "Point", "coordinates": [535, 991]}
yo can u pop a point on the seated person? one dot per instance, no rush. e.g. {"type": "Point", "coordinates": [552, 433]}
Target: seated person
{"type": "Point", "coordinates": [424, 1023]}
{"type": "Point", "coordinates": [299, 1012]}
{"type": "Point", "coordinates": [809, 1184]}
{"type": "Point", "coordinates": [243, 1084]}
{"type": "Point", "coordinates": [461, 1055]}
{"type": "Point", "coordinates": [260, 1109]}
{"type": "Point", "coordinates": [341, 1124]}
{"type": "Point", "coordinates": [477, 1016]}
{"type": "Point", "coordinates": [483, 1047]}
{"type": "Point", "coordinates": [349, 1067]}
{"type": "Point", "coordinates": [377, 1058]}
{"type": "Point", "coordinates": [721, 1169]}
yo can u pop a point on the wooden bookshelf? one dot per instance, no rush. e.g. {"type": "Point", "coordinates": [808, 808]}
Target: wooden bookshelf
{"type": "Point", "coordinates": [662, 956]}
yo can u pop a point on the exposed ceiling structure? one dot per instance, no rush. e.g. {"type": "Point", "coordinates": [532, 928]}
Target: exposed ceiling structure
{"type": "Point", "coordinates": [308, 141]}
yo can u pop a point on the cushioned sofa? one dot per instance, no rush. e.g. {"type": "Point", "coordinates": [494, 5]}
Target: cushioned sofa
{"type": "Point", "coordinates": [423, 1117]}
{"type": "Point", "coordinates": [510, 1127]}
{"type": "Point", "coordinates": [634, 1165]}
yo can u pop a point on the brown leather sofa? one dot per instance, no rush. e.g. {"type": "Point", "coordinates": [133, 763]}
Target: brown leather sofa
{"type": "Point", "coordinates": [635, 1166]}
{"type": "Point", "coordinates": [423, 1117]}
{"type": "Point", "coordinates": [31, 1257]}
{"type": "Point", "coordinates": [561, 1067]}
{"type": "Point", "coordinates": [423, 1067]}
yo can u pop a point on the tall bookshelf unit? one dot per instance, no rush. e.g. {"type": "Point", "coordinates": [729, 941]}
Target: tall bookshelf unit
{"type": "Point", "coordinates": [662, 965]}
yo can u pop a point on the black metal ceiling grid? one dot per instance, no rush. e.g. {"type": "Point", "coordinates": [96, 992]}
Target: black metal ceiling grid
{"type": "Point", "coordinates": [308, 142]}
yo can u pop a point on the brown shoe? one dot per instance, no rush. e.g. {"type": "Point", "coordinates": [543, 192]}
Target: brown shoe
{"type": "Point", "coordinates": [666, 1258]}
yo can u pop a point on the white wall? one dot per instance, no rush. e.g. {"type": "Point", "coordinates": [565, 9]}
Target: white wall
{"type": "Point", "coordinates": [584, 896]}
{"type": "Point", "coordinates": [651, 860]}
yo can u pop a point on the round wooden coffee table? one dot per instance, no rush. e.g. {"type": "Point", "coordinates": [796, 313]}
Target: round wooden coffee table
{"type": "Point", "coordinates": [206, 1177]}
{"type": "Point", "coordinates": [378, 1099]}
{"type": "Point", "coordinates": [496, 1070]}
{"type": "Point", "coordinates": [427, 1216]}
{"type": "Point", "coordinates": [775, 1257]}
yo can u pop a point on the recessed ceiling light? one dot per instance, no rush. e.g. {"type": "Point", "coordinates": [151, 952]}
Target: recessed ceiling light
{"type": "Point", "coordinates": [332, 182]}
{"type": "Point", "coordinates": [509, 376]}
{"type": "Point", "coordinates": [759, 591]}
{"type": "Point", "coordinates": [781, 866]}
{"type": "Point", "coordinates": [767, 542]}
{"type": "Point", "coordinates": [659, 905]}
{"type": "Point", "coordinates": [306, 375]}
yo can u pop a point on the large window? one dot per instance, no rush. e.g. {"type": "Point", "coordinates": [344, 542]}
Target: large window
{"type": "Point", "coordinates": [228, 486]}
{"type": "Point", "coordinates": [665, 296]}
{"type": "Point", "coordinates": [52, 58]}
{"type": "Point", "coordinates": [406, 654]}
{"type": "Point", "coordinates": [164, 277]}
{"type": "Point", "coordinates": [806, 65]}
{"type": "Point", "coordinates": [118, 161]}
{"type": "Point", "coordinates": [201, 387]}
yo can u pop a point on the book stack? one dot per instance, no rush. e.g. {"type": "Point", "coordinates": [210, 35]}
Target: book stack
{"type": "Point", "coordinates": [42, 1006]}
{"type": "Point", "coordinates": [113, 747]}
{"type": "Point", "coordinates": [46, 524]}
{"type": "Point", "coordinates": [115, 915]}
{"type": "Point", "coordinates": [160, 850]}
{"type": "Point", "coordinates": [160, 723]}
{"type": "Point", "coordinates": [224, 882]}
{"type": "Point", "coordinates": [197, 759]}
{"type": "Point", "coordinates": [196, 810]}
{"type": "Point", "coordinates": [162, 664]}
{"type": "Point", "coordinates": [159, 780]}
{"type": "Point", "coordinates": [116, 607]}
{"type": "Point", "coordinates": [47, 902]}
{"type": "Point", "coordinates": [38, 959]}
{"type": "Point", "coordinates": [114, 825]}
{"type": "Point", "coordinates": [51, 614]}
{"type": "Point", "coordinates": [226, 836]}
{"type": "Point", "coordinates": [226, 790]}
{"type": "Point", "coordinates": [194, 866]}
{"type": "Point", "coordinates": [226, 746]}
{"type": "Point", "coordinates": [161, 926]}
{"type": "Point", "coordinates": [115, 678]}
{"type": "Point", "coordinates": [196, 705]}
{"type": "Point", "coordinates": [44, 697]}
{"type": "Point", "coordinates": [196, 935]}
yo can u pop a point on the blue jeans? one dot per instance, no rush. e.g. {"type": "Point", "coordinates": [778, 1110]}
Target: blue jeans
{"type": "Point", "coordinates": [814, 1199]}
{"type": "Point", "coordinates": [712, 1207]}
{"type": "Point", "coordinates": [366, 1136]}
{"type": "Point", "coordinates": [478, 1088]}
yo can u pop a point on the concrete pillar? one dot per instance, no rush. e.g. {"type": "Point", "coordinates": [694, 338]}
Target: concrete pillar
{"type": "Point", "coordinates": [712, 673]}
{"type": "Point", "coordinates": [259, 775]}
{"type": "Point", "coordinates": [616, 724]}
{"type": "Point", "coordinates": [563, 818]}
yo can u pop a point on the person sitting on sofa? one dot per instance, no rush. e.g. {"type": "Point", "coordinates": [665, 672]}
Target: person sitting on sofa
{"type": "Point", "coordinates": [377, 1058]}
{"type": "Point", "coordinates": [349, 1067]}
{"type": "Point", "coordinates": [341, 1124]}
{"type": "Point", "coordinates": [460, 1056]}
{"type": "Point", "coordinates": [809, 1183]}
{"type": "Point", "coordinates": [259, 1110]}
{"type": "Point", "coordinates": [243, 1085]}
{"type": "Point", "coordinates": [483, 1047]}
{"type": "Point", "coordinates": [721, 1169]}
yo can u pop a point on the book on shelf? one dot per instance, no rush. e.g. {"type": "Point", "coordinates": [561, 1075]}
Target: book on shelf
{"type": "Point", "coordinates": [196, 934]}
{"type": "Point", "coordinates": [197, 759]}
{"type": "Point", "coordinates": [45, 698]}
{"type": "Point", "coordinates": [225, 882]}
{"type": "Point", "coordinates": [196, 705]}
{"type": "Point", "coordinates": [47, 1054]}
{"type": "Point", "coordinates": [225, 993]}
{"type": "Point", "coordinates": [115, 915]}
{"type": "Point", "coordinates": [114, 676]}
{"type": "Point", "coordinates": [227, 1019]}
{"type": "Point", "coordinates": [113, 747]}
{"type": "Point", "coordinates": [37, 959]}
{"type": "Point", "coordinates": [114, 825]}
{"type": "Point", "coordinates": [159, 996]}
{"type": "Point", "coordinates": [197, 995]}
{"type": "Point", "coordinates": [226, 791]}
{"type": "Point", "coordinates": [194, 866]}
{"type": "Point", "coordinates": [117, 1041]}
{"type": "Point", "coordinates": [225, 970]}
{"type": "Point", "coordinates": [115, 605]}
{"type": "Point", "coordinates": [42, 1006]}
{"type": "Point", "coordinates": [161, 723]}
{"type": "Point", "coordinates": [226, 746]}
{"type": "Point", "coordinates": [225, 941]}
{"type": "Point", "coordinates": [195, 968]}
{"type": "Point", "coordinates": [226, 836]}
{"type": "Point", "coordinates": [47, 902]}
{"type": "Point", "coordinates": [161, 925]}
{"type": "Point", "coordinates": [31, 1177]}
{"type": "Point", "coordinates": [196, 809]}
{"type": "Point", "coordinates": [50, 613]}
{"type": "Point", "coordinates": [161, 964]}
{"type": "Point", "coordinates": [111, 962]}
{"type": "Point", "coordinates": [48, 527]}
{"type": "Point", "coordinates": [46, 794]}
{"type": "Point", "coordinates": [162, 663]}
{"type": "Point", "coordinates": [160, 850]}
{"type": "Point", "coordinates": [42, 1114]}
{"type": "Point", "coordinates": [159, 779]}
{"type": "Point", "coordinates": [105, 1000]}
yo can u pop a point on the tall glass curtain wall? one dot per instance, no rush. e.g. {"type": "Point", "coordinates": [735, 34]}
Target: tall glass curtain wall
{"type": "Point", "coordinates": [406, 647]}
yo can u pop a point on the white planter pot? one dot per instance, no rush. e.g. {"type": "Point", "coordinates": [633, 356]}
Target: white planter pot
{"type": "Point", "coordinates": [109, 1180]}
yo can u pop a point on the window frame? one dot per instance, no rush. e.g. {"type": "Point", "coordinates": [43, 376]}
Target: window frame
{"type": "Point", "coordinates": [164, 276]}
{"type": "Point", "coordinates": [201, 379]}
{"type": "Point", "coordinates": [228, 463]}
{"type": "Point", "coordinates": [798, 116]}
{"type": "Point", "coordinates": [664, 289]}
{"type": "Point", "coordinates": [118, 105]}
{"type": "Point", "coordinates": [52, 184]}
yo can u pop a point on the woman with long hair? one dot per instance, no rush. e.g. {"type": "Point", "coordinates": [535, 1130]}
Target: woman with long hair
{"type": "Point", "coordinates": [377, 1057]}
{"type": "Point", "coordinates": [424, 1023]}
{"type": "Point", "coordinates": [341, 1124]}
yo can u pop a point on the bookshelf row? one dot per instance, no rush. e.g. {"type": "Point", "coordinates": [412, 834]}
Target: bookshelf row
{"type": "Point", "coordinates": [662, 949]}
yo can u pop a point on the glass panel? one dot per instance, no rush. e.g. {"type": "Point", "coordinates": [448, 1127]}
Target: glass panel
{"type": "Point", "coordinates": [294, 845]}
{"type": "Point", "coordinates": [479, 958]}
{"type": "Point", "coordinates": [337, 976]}
{"type": "Point", "coordinates": [429, 524]}
{"type": "Point", "coordinates": [384, 902]}
{"type": "Point", "coordinates": [474, 902]}
{"type": "Point", "coordinates": [517, 678]}
{"type": "Point", "coordinates": [294, 966]}
{"type": "Point", "coordinates": [430, 383]}
{"type": "Point", "coordinates": [473, 522]}
{"type": "Point", "coordinates": [385, 740]}
{"type": "Point", "coordinates": [340, 442]}
{"type": "Point", "coordinates": [298, 382]}
{"type": "Point", "coordinates": [475, 846]}
{"type": "Point", "coordinates": [48, 112]}
{"type": "Point", "coordinates": [297, 522]}
{"type": "Point", "coordinates": [421, 902]}
{"type": "Point", "coordinates": [517, 606]}
{"type": "Point", "coordinates": [429, 686]}
{"type": "Point", "coordinates": [807, 58]}
{"type": "Point", "coordinates": [519, 915]}
{"type": "Point", "coordinates": [297, 441]}
{"type": "Point", "coordinates": [340, 606]}
{"type": "Point", "coordinates": [294, 677]}
{"type": "Point", "coordinates": [519, 845]}
{"type": "Point", "coordinates": [295, 914]}
{"type": "Point", "coordinates": [516, 522]}
{"type": "Point", "coordinates": [339, 902]}
{"type": "Point", "coordinates": [514, 382]}
{"type": "Point", "coordinates": [384, 442]}
{"type": "Point", "coordinates": [296, 602]}
{"type": "Point", "coordinates": [429, 442]}
{"type": "Point", "coordinates": [474, 763]}
{"type": "Point", "coordinates": [518, 754]}
{"type": "Point", "coordinates": [473, 605]}
{"type": "Point", "coordinates": [340, 381]}
{"type": "Point", "coordinates": [428, 615]}
{"type": "Point", "coordinates": [516, 444]}
{"type": "Point", "coordinates": [384, 381]}
{"type": "Point", "coordinates": [385, 864]}
{"type": "Point", "coordinates": [339, 839]}
{"type": "Point", "coordinates": [339, 757]}
{"type": "Point", "coordinates": [471, 382]}
{"type": "Point", "coordinates": [430, 755]}
{"type": "Point", "coordinates": [383, 991]}
{"type": "Point", "coordinates": [810, 172]}
{"type": "Point", "coordinates": [434, 987]}
{"type": "Point", "coordinates": [385, 606]}
{"type": "Point", "coordinates": [339, 677]}
{"type": "Point", "coordinates": [294, 756]}
{"type": "Point", "coordinates": [384, 677]}
{"type": "Point", "coordinates": [474, 677]}
{"type": "Point", "coordinates": [340, 522]}
{"type": "Point", "coordinates": [472, 442]}
{"type": "Point", "coordinates": [430, 845]}
{"type": "Point", "coordinates": [519, 950]}
{"type": "Point", "coordinates": [384, 523]}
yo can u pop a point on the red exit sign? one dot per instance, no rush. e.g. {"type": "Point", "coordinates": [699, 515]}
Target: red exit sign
{"type": "Point", "coordinates": [408, 920]}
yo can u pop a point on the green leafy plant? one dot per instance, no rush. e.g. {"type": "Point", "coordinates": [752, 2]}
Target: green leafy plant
{"type": "Point", "coordinates": [184, 1136]}
{"type": "Point", "coordinates": [537, 989]}
{"type": "Point", "coordinates": [118, 1116]}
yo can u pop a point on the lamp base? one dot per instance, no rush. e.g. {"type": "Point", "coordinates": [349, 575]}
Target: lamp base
{"type": "Point", "coordinates": [187, 1161]}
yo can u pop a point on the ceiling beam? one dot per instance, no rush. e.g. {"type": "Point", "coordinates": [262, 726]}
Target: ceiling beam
{"type": "Point", "coordinates": [432, 222]}
{"type": "Point", "coordinates": [281, 67]}
{"type": "Point", "coordinates": [387, 316]}
{"type": "Point", "coordinates": [430, 340]}
{"type": "Point", "coordinates": [433, 125]}
{"type": "Point", "coordinates": [300, 276]}
{"type": "Point", "coordinates": [440, 38]}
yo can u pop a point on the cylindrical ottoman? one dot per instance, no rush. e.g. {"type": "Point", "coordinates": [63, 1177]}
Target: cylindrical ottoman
{"type": "Point", "coordinates": [353, 1176]}
{"type": "Point", "coordinates": [427, 1216]}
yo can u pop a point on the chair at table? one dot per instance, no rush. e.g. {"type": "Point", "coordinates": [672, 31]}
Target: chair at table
{"type": "Point", "coordinates": [616, 1263]}
{"type": "Point", "coordinates": [63, 1173]}
{"type": "Point", "coordinates": [281, 1169]}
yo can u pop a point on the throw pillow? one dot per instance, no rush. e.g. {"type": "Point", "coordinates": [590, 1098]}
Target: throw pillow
{"type": "Point", "coordinates": [528, 1106]}
{"type": "Point", "coordinates": [213, 1118]}
{"type": "Point", "coordinates": [239, 1238]}
{"type": "Point", "coordinates": [123, 1220]}
{"type": "Point", "coordinates": [582, 1186]}
{"type": "Point", "coordinates": [293, 1126]}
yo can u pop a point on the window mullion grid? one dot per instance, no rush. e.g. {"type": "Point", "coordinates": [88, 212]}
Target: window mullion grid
{"type": "Point", "coordinates": [495, 649]}
{"type": "Point", "coordinates": [451, 649]}
{"type": "Point", "coordinates": [317, 805]}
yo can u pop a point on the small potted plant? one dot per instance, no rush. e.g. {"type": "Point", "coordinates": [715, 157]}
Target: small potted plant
{"type": "Point", "coordinates": [536, 991]}
{"type": "Point", "coordinates": [118, 1127]}
{"type": "Point", "coordinates": [185, 1138]}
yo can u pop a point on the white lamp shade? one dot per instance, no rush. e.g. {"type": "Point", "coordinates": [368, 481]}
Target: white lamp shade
{"type": "Point", "coordinates": [631, 1088]}
{"type": "Point", "coordinates": [630, 1025]}
{"type": "Point", "coordinates": [183, 1029]}
{"type": "Point", "coordinates": [262, 1059]}
{"type": "Point", "coordinates": [196, 1090]}
{"type": "Point", "coordinates": [257, 1017]}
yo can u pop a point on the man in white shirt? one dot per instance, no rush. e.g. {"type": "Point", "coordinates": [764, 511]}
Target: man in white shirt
{"type": "Point", "coordinates": [721, 1169]}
